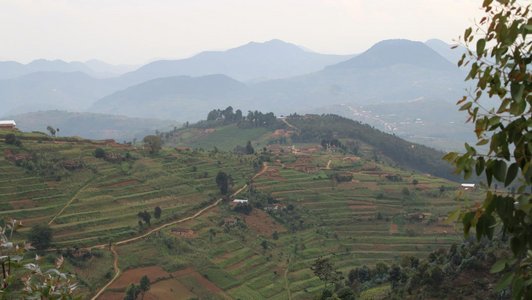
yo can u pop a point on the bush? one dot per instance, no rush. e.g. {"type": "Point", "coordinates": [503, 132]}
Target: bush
{"type": "Point", "coordinates": [99, 153]}
{"type": "Point", "coordinates": [11, 139]}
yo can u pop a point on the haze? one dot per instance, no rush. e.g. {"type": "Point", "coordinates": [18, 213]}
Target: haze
{"type": "Point", "coordinates": [135, 32]}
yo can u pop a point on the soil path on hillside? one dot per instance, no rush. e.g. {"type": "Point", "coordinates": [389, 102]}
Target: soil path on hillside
{"type": "Point", "coordinates": [289, 125]}
{"type": "Point", "coordinates": [328, 165]}
{"type": "Point", "coordinates": [71, 200]}
{"type": "Point", "coordinates": [286, 285]}
{"type": "Point", "coordinates": [127, 241]}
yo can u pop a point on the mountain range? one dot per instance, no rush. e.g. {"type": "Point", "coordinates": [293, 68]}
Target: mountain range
{"type": "Point", "coordinates": [271, 76]}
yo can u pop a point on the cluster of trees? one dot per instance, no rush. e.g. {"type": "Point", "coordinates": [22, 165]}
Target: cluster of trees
{"type": "Point", "coordinates": [418, 279]}
{"type": "Point", "coordinates": [227, 115]}
{"type": "Point", "coordinates": [133, 290]}
{"type": "Point", "coordinates": [252, 119]}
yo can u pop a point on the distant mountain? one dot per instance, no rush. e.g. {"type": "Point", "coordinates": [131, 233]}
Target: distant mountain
{"type": "Point", "coordinates": [52, 90]}
{"type": "Point", "coordinates": [94, 68]}
{"type": "Point", "coordinates": [180, 97]}
{"type": "Point", "coordinates": [444, 49]}
{"type": "Point", "coordinates": [390, 71]}
{"type": "Point", "coordinates": [251, 62]}
{"type": "Point", "coordinates": [103, 69]}
{"type": "Point", "coordinates": [90, 125]}
{"type": "Point", "coordinates": [11, 69]}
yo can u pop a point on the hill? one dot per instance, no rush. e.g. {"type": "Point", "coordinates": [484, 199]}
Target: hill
{"type": "Point", "coordinates": [306, 201]}
{"type": "Point", "coordinates": [91, 125]}
{"type": "Point", "coordinates": [444, 49]}
{"type": "Point", "coordinates": [251, 62]}
{"type": "Point", "coordinates": [180, 97]}
{"type": "Point", "coordinates": [350, 136]}
{"type": "Point", "coordinates": [73, 91]}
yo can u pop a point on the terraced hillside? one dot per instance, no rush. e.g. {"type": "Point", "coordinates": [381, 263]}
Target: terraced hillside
{"type": "Point", "coordinates": [99, 201]}
{"type": "Point", "coordinates": [306, 201]}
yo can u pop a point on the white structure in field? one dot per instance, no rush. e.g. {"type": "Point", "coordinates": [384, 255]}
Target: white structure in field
{"type": "Point", "coordinates": [236, 201]}
{"type": "Point", "coordinates": [467, 186]}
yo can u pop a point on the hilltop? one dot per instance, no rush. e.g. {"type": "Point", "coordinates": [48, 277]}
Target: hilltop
{"type": "Point", "coordinates": [351, 136]}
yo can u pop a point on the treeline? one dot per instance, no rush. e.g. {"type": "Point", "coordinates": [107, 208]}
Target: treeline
{"type": "Point", "coordinates": [320, 129]}
{"type": "Point", "coordinates": [230, 116]}
{"type": "Point", "coordinates": [441, 275]}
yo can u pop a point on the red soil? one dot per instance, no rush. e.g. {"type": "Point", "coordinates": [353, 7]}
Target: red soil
{"type": "Point", "coordinates": [262, 223]}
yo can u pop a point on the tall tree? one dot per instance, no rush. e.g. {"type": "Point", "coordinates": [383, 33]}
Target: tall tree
{"type": "Point", "coordinates": [223, 181]}
{"type": "Point", "coordinates": [153, 143]}
{"type": "Point", "coordinates": [500, 67]}
{"type": "Point", "coordinates": [144, 285]}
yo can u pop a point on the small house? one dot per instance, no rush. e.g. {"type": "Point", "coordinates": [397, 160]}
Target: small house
{"type": "Point", "coordinates": [467, 186]}
{"type": "Point", "coordinates": [7, 124]}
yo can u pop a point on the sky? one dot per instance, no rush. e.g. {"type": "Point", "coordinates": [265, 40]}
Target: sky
{"type": "Point", "coordinates": [136, 32]}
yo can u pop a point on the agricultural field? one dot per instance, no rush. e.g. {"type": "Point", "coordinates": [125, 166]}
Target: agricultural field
{"type": "Point", "coordinates": [306, 202]}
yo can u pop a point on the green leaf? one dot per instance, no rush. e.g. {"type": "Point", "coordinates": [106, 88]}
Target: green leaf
{"type": "Point", "coordinates": [499, 170]}
{"type": "Point", "coordinates": [512, 173]}
{"type": "Point", "coordinates": [481, 45]}
{"type": "Point", "coordinates": [498, 266]}
{"type": "Point", "coordinates": [466, 106]}
{"type": "Point", "coordinates": [504, 282]}
{"type": "Point", "coordinates": [467, 33]}
{"type": "Point", "coordinates": [479, 166]}
{"type": "Point", "coordinates": [453, 216]}
{"type": "Point", "coordinates": [468, 217]}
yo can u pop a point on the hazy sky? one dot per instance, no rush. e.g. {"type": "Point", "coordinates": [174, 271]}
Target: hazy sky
{"type": "Point", "coordinates": [134, 31]}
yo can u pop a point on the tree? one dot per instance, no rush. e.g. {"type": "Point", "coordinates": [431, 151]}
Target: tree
{"type": "Point", "coordinates": [51, 130]}
{"type": "Point", "coordinates": [325, 271]}
{"type": "Point", "coordinates": [223, 181]}
{"type": "Point", "coordinates": [153, 143]}
{"type": "Point", "coordinates": [132, 292]}
{"type": "Point", "coordinates": [144, 216]}
{"type": "Point", "coordinates": [157, 212]}
{"type": "Point", "coordinates": [144, 285]}
{"type": "Point", "coordinates": [500, 68]}
{"type": "Point", "coordinates": [99, 153]}
{"type": "Point", "coordinates": [40, 236]}
{"type": "Point", "coordinates": [249, 148]}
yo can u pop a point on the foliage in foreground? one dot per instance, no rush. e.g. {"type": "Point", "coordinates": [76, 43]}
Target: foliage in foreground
{"type": "Point", "coordinates": [500, 68]}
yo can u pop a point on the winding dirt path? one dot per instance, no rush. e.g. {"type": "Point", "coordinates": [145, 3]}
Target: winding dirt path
{"type": "Point", "coordinates": [137, 238]}
{"type": "Point", "coordinates": [118, 272]}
